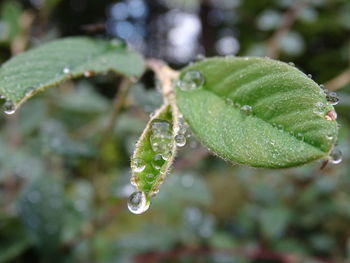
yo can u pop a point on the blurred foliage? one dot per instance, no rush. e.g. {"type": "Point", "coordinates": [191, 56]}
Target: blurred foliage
{"type": "Point", "coordinates": [63, 197]}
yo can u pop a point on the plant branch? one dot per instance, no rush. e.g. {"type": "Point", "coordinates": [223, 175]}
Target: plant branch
{"type": "Point", "coordinates": [118, 103]}
{"type": "Point", "coordinates": [339, 81]}
{"type": "Point", "coordinates": [288, 19]}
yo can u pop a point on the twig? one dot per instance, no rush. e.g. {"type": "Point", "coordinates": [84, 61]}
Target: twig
{"type": "Point", "coordinates": [288, 19]}
{"type": "Point", "coordinates": [339, 81]}
{"type": "Point", "coordinates": [117, 106]}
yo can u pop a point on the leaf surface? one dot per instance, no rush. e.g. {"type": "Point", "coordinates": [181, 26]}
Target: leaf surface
{"type": "Point", "coordinates": [52, 63]}
{"type": "Point", "coordinates": [259, 112]}
{"type": "Point", "coordinates": [153, 171]}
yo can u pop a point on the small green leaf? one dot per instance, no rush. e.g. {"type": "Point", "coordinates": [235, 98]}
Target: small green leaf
{"type": "Point", "coordinates": [52, 63]}
{"type": "Point", "coordinates": [257, 111]}
{"type": "Point", "coordinates": [154, 153]}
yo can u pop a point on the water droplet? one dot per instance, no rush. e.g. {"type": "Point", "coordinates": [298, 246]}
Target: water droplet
{"type": "Point", "coordinates": [336, 156]}
{"type": "Point", "coordinates": [150, 178]}
{"type": "Point", "coordinates": [291, 64]}
{"type": "Point", "coordinates": [161, 138]}
{"type": "Point", "coordinates": [138, 165]}
{"type": "Point", "coordinates": [138, 203]}
{"type": "Point", "coordinates": [319, 108]}
{"type": "Point", "coordinates": [180, 140]}
{"type": "Point", "coordinates": [191, 80]}
{"type": "Point", "coordinates": [300, 136]}
{"type": "Point", "coordinates": [9, 107]}
{"type": "Point", "coordinates": [309, 76]}
{"type": "Point", "coordinates": [133, 181]}
{"type": "Point", "coordinates": [66, 70]}
{"type": "Point", "coordinates": [332, 98]}
{"type": "Point", "coordinates": [329, 137]}
{"type": "Point", "coordinates": [246, 109]}
{"type": "Point", "coordinates": [228, 101]}
{"type": "Point", "coordinates": [157, 161]}
{"type": "Point", "coordinates": [166, 155]}
{"type": "Point", "coordinates": [322, 87]}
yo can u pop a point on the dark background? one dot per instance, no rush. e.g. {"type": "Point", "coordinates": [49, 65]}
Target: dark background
{"type": "Point", "coordinates": [56, 206]}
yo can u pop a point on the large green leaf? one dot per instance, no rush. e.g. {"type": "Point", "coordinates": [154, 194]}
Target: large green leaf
{"type": "Point", "coordinates": [51, 64]}
{"type": "Point", "coordinates": [257, 111]}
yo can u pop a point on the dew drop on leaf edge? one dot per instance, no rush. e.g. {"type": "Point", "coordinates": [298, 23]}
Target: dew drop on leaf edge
{"type": "Point", "coordinates": [332, 98]}
{"type": "Point", "coordinates": [138, 202]}
{"type": "Point", "coordinates": [180, 140]}
{"type": "Point", "coordinates": [336, 156]}
{"type": "Point", "coordinates": [9, 107]}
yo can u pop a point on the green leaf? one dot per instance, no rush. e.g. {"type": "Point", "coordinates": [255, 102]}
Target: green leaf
{"type": "Point", "coordinates": [154, 152]}
{"type": "Point", "coordinates": [52, 63]}
{"type": "Point", "coordinates": [257, 111]}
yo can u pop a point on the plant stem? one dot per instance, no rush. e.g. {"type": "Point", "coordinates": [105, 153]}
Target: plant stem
{"type": "Point", "coordinates": [339, 81]}
{"type": "Point", "coordinates": [288, 19]}
{"type": "Point", "coordinates": [118, 103]}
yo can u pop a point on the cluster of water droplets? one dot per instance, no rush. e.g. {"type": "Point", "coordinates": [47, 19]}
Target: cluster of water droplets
{"type": "Point", "coordinates": [161, 138]}
{"type": "Point", "coordinates": [191, 80]}
{"type": "Point", "coordinates": [161, 141]}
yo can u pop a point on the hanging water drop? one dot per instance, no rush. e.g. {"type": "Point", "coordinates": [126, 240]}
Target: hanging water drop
{"type": "Point", "coordinates": [138, 165]}
{"type": "Point", "coordinates": [291, 64]}
{"type": "Point", "coordinates": [180, 140]}
{"type": "Point", "coordinates": [336, 156]}
{"type": "Point", "coordinates": [66, 70]}
{"type": "Point", "coordinates": [246, 109]}
{"type": "Point", "coordinates": [332, 98]}
{"type": "Point", "coordinates": [9, 107]}
{"type": "Point", "coordinates": [157, 161]}
{"type": "Point", "coordinates": [191, 80]}
{"type": "Point", "coordinates": [309, 76]}
{"type": "Point", "coordinates": [138, 202]}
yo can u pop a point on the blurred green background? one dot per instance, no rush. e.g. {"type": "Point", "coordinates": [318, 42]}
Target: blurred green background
{"type": "Point", "coordinates": [63, 197]}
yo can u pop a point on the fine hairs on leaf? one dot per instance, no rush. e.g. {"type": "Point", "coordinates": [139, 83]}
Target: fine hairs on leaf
{"type": "Point", "coordinates": [248, 110]}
